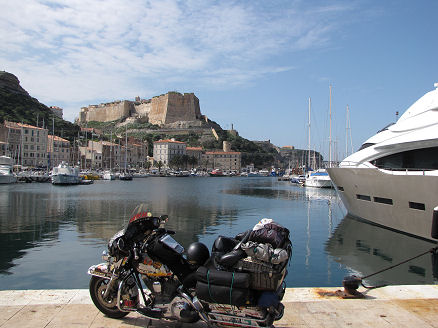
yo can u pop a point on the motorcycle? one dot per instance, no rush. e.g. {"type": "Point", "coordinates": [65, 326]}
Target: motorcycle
{"type": "Point", "coordinates": [146, 270]}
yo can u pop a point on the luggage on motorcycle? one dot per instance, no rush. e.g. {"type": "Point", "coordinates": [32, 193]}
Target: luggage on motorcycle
{"type": "Point", "coordinates": [268, 231]}
{"type": "Point", "coordinates": [265, 252]}
{"type": "Point", "coordinates": [222, 278]}
{"type": "Point", "coordinates": [224, 294]}
{"type": "Point", "coordinates": [263, 275]}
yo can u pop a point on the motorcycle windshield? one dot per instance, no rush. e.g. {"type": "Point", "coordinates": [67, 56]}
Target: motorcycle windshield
{"type": "Point", "coordinates": [172, 243]}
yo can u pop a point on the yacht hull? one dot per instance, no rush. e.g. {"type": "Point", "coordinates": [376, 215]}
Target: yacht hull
{"type": "Point", "coordinates": [64, 179]}
{"type": "Point", "coordinates": [400, 201]}
{"type": "Point", "coordinates": [5, 179]}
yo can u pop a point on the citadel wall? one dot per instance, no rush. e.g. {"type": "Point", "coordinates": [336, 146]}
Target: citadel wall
{"type": "Point", "coordinates": [182, 107]}
{"type": "Point", "coordinates": [106, 112]}
{"type": "Point", "coordinates": [165, 109]}
{"type": "Point", "coordinates": [142, 109]}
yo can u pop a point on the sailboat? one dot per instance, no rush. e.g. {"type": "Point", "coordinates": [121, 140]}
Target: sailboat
{"type": "Point", "coordinates": [320, 177]}
{"type": "Point", "coordinates": [126, 176]}
{"type": "Point", "coordinates": [108, 174]}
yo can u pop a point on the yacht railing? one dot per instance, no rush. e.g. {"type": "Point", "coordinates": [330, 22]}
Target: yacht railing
{"type": "Point", "coordinates": [390, 170]}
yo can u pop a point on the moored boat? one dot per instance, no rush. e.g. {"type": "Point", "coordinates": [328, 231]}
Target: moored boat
{"type": "Point", "coordinates": [6, 173]}
{"type": "Point", "coordinates": [217, 173]}
{"type": "Point", "coordinates": [318, 179]}
{"type": "Point", "coordinates": [125, 176]}
{"type": "Point", "coordinates": [108, 175]}
{"type": "Point", "coordinates": [392, 180]}
{"type": "Point", "coordinates": [64, 174]}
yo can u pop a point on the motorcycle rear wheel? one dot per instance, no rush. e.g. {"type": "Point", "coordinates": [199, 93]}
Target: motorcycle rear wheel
{"type": "Point", "coordinates": [107, 307]}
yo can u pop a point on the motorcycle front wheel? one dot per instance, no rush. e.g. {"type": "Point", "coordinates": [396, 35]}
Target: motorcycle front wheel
{"type": "Point", "coordinates": [106, 306]}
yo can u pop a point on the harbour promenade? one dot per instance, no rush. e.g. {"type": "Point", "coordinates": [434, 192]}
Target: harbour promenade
{"type": "Point", "coordinates": [392, 306]}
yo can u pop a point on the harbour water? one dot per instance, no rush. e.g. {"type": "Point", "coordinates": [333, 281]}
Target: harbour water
{"type": "Point", "coordinates": [50, 235]}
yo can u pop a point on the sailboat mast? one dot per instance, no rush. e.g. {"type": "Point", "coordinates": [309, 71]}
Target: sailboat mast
{"type": "Point", "coordinates": [308, 124]}
{"type": "Point", "coordinates": [330, 135]}
{"type": "Point", "coordinates": [126, 145]}
{"type": "Point", "coordinates": [346, 132]}
{"type": "Point", "coordinates": [111, 149]}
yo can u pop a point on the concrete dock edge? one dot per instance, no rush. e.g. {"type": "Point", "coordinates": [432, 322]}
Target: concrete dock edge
{"type": "Point", "coordinates": [391, 306]}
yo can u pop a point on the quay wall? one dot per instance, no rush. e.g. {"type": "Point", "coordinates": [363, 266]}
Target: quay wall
{"type": "Point", "coordinates": [391, 306]}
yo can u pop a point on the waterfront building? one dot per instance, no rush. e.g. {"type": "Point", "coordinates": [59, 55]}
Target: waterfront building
{"type": "Point", "coordinates": [226, 161]}
{"type": "Point", "coordinates": [139, 153]}
{"type": "Point", "coordinates": [196, 153]}
{"type": "Point", "coordinates": [58, 150]}
{"type": "Point", "coordinates": [90, 158]}
{"type": "Point", "coordinates": [109, 151]}
{"type": "Point", "coordinates": [165, 150]}
{"type": "Point", "coordinates": [26, 144]}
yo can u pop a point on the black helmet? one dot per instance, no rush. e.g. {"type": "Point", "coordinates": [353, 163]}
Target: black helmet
{"type": "Point", "coordinates": [197, 253]}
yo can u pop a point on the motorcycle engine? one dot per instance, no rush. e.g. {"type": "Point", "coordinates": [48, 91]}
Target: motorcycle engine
{"type": "Point", "coordinates": [163, 288]}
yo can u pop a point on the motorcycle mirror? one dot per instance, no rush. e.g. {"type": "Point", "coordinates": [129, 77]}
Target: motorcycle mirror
{"type": "Point", "coordinates": [164, 218]}
{"type": "Point", "coordinates": [121, 244]}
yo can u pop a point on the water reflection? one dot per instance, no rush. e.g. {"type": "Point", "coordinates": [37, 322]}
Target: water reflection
{"type": "Point", "coordinates": [50, 235]}
{"type": "Point", "coordinates": [365, 248]}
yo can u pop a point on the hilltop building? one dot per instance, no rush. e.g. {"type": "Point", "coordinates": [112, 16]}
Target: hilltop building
{"type": "Point", "coordinates": [56, 110]}
{"type": "Point", "coordinates": [169, 108]}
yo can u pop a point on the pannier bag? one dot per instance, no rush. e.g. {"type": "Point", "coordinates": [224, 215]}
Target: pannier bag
{"type": "Point", "coordinates": [223, 287]}
{"type": "Point", "coordinates": [263, 276]}
{"type": "Point", "coordinates": [224, 294]}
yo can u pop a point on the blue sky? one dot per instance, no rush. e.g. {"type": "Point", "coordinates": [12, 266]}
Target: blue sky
{"type": "Point", "coordinates": [253, 64]}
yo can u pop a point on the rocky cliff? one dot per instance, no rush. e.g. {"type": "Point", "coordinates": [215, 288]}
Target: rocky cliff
{"type": "Point", "coordinates": [17, 105]}
{"type": "Point", "coordinates": [10, 84]}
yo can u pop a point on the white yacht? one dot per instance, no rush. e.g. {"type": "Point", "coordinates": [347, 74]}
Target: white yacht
{"type": "Point", "coordinates": [392, 180]}
{"type": "Point", "coordinates": [108, 175]}
{"type": "Point", "coordinates": [6, 173]}
{"type": "Point", "coordinates": [63, 174]}
{"type": "Point", "coordinates": [318, 179]}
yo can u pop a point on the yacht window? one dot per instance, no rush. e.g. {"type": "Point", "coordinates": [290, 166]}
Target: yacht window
{"type": "Point", "coordinates": [385, 128]}
{"type": "Point", "coordinates": [382, 200]}
{"type": "Point", "coordinates": [340, 188]}
{"type": "Point", "coordinates": [417, 159]}
{"type": "Point", "coordinates": [366, 145]}
{"type": "Point", "coordinates": [363, 197]}
{"type": "Point", "coordinates": [417, 206]}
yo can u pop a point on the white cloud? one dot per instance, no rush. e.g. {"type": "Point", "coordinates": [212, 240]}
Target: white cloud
{"type": "Point", "coordinates": [79, 51]}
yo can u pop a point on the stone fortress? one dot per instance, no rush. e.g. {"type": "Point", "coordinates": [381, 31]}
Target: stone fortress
{"type": "Point", "coordinates": [172, 109]}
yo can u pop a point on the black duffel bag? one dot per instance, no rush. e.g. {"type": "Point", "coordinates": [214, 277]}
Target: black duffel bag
{"type": "Point", "coordinates": [224, 294]}
{"type": "Point", "coordinates": [222, 278]}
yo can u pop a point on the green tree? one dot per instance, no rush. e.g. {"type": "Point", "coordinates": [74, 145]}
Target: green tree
{"type": "Point", "coordinates": [192, 161]}
{"type": "Point", "coordinates": [159, 165]}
